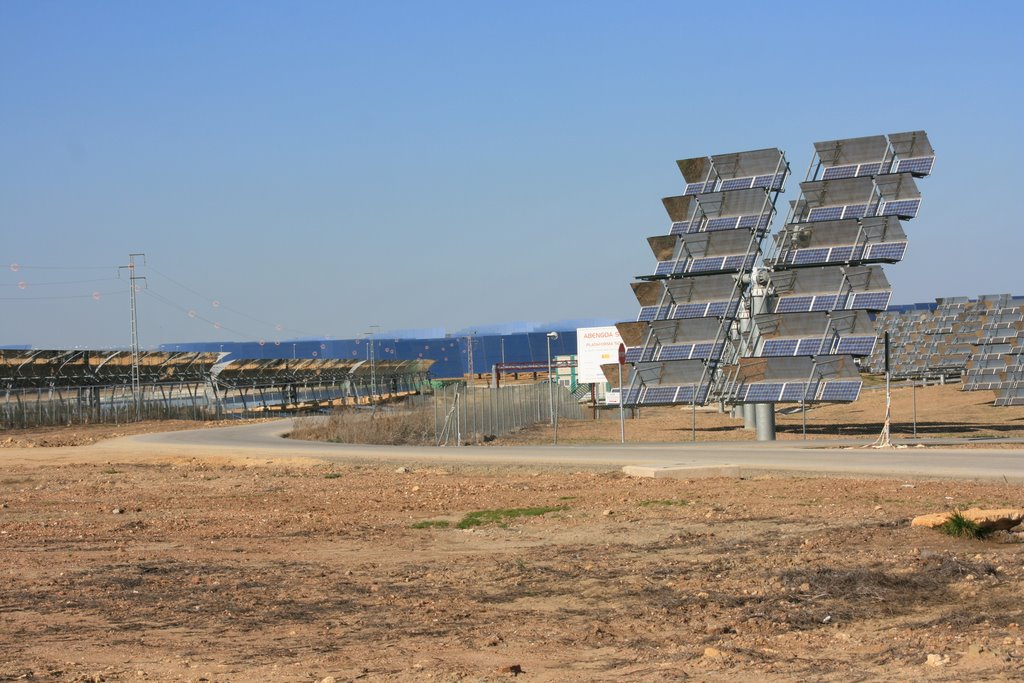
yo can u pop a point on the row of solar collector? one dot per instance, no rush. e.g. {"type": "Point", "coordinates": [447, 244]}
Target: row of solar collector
{"type": "Point", "coordinates": [870, 301]}
{"type": "Point", "coordinates": [718, 185]}
{"type": "Point", "coordinates": [806, 346]}
{"type": "Point", "coordinates": [881, 252]}
{"type": "Point", "coordinates": [762, 392]}
{"type": "Point", "coordinates": [746, 222]}
{"type": "Point", "coordinates": [901, 208]}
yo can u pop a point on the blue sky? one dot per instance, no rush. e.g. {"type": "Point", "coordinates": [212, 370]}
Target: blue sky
{"type": "Point", "coordinates": [318, 168]}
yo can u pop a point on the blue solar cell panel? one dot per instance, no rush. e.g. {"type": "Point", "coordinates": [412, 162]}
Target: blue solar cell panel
{"type": "Point", "coordinates": [796, 392]}
{"type": "Point", "coordinates": [694, 188]}
{"type": "Point", "coordinates": [701, 350]}
{"type": "Point", "coordinates": [812, 347]}
{"type": "Point", "coordinates": [703, 265]}
{"type": "Point", "coordinates": [732, 308]}
{"type": "Point", "coordinates": [839, 172]}
{"type": "Point", "coordinates": [905, 208]}
{"type": "Point", "coordinates": [888, 251]}
{"type": "Point", "coordinates": [826, 213]}
{"type": "Point", "coordinates": [840, 391]}
{"type": "Point", "coordinates": [794, 304]}
{"type": "Point", "coordinates": [779, 347]}
{"type": "Point", "coordinates": [675, 352]}
{"type": "Point", "coordinates": [652, 313]}
{"type": "Point", "coordinates": [854, 211]}
{"type": "Point", "coordinates": [733, 263]}
{"type": "Point", "coordinates": [680, 228]}
{"type": "Point", "coordinates": [736, 184]}
{"type": "Point", "coordinates": [839, 254]}
{"type": "Point", "coordinates": [824, 302]}
{"type": "Point", "coordinates": [632, 397]}
{"type": "Point", "coordinates": [855, 346]}
{"type": "Point", "coordinates": [919, 167]}
{"type": "Point", "coordinates": [869, 169]}
{"type": "Point", "coordinates": [710, 186]}
{"type": "Point", "coordinates": [717, 309]}
{"type": "Point", "coordinates": [872, 301]}
{"type": "Point", "coordinates": [665, 267]}
{"type": "Point", "coordinates": [689, 311]}
{"type": "Point", "coordinates": [716, 224]}
{"type": "Point", "coordinates": [764, 392]}
{"type": "Point", "coordinates": [659, 395]}
{"type": "Point", "coordinates": [687, 392]}
{"type": "Point", "coordinates": [637, 354]}
{"type": "Point", "coordinates": [807, 256]}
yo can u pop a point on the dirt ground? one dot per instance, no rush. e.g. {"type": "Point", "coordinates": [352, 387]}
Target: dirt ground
{"type": "Point", "coordinates": [211, 569]}
{"type": "Point", "coordinates": [197, 571]}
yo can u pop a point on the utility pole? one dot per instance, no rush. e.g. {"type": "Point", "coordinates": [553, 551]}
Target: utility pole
{"type": "Point", "coordinates": [469, 354]}
{"type": "Point", "coordinates": [132, 279]}
{"type": "Point", "coordinates": [370, 354]}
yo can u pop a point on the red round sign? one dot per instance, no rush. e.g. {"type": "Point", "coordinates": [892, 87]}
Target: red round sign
{"type": "Point", "coordinates": [622, 354]}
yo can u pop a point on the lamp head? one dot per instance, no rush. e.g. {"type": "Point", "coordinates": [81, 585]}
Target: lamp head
{"type": "Point", "coordinates": [552, 335]}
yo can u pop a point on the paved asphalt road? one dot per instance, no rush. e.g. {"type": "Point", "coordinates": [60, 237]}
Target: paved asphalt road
{"type": "Point", "coordinates": [811, 457]}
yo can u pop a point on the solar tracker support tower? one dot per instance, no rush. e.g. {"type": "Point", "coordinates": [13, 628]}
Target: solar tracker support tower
{"type": "Point", "coordinates": [749, 417]}
{"type": "Point", "coordinates": [765, 421]}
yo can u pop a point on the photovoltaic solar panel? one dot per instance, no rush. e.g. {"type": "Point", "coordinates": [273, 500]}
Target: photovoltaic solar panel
{"type": "Point", "coordinates": [690, 311]}
{"type": "Point", "coordinates": [824, 303]}
{"type": "Point", "coordinates": [888, 251]}
{"type": "Point", "coordinates": [659, 395]}
{"type": "Point", "coordinates": [764, 392]}
{"type": "Point", "coordinates": [716, 224]}
{"type": "Point", "coordinates": [918, 167]}
{"type": "Point", "coordinates": [686, 394]}
{"type": "Point", "coordinates": [872, 301]}
{"type": "Point", "coordinates": [826, 213]}
{"type": "Point", "coordinates": [795, 392]}
{"type": "Point", "coordinates": [855, 346]}
{"type": "Point", "coordinates": [794, 304]}
{"type": "Point", "coordinates": [836, 172]}
{"type": "Point", "coordinates": [736, 184]}
{"type": "Point", "coordinates": [779, 347]}
{"type": "Point", "coordinates": [905, 208]}
{"type": "Point", "coordinates": [812, 347]}
{"type": "Point", "coordinates": [840, 391]}
{"type": "Point", "coordinates": [637, 354]}
{"type": "Point", "coordinates": [653, 313]}
{"type": "Point", "coordinates": [675, 352]}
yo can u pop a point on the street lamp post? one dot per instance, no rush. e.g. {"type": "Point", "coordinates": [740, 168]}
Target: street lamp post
{"type": "Point", "coordinates": [551, 386]}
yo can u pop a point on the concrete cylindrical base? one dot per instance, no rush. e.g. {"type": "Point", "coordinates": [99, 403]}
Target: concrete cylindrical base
{"type": "Point", "coordinates": [749, 418]}
{"type": "Point", "coordinates": [765, 421]}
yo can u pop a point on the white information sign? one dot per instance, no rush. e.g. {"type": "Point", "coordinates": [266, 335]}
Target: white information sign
{"type": "Point", "coordinates": [595, 346]}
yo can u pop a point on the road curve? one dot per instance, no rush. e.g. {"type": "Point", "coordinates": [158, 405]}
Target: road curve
{"type": "Point", "coordinates": [815, 458]}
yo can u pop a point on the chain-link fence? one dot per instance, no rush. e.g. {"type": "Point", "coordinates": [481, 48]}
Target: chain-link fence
{"type": "Point", "coordinates": [475, 414]}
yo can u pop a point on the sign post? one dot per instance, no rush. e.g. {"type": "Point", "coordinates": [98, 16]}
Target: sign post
{"type": "Point", "coordinates": [622, 399]}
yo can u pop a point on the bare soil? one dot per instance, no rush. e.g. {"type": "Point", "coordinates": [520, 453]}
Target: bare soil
{"type": "Point", "coordinates": [194, 571]}
{"type": "Point", "coordinates": [152, 567]}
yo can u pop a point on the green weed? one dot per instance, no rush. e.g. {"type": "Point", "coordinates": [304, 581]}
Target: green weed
{"type": "Point", "coordinates": [959, 526]}
{"type": "Point", "coordinates": [662, 503]}
{"type": "Point", "coordinates": [481, 517]}
{"type": "Point", "coordinates": [431, 524]}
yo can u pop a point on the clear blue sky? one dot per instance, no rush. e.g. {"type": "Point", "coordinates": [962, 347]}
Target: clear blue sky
{"type": "Point", "coordinates": [327, 166]}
